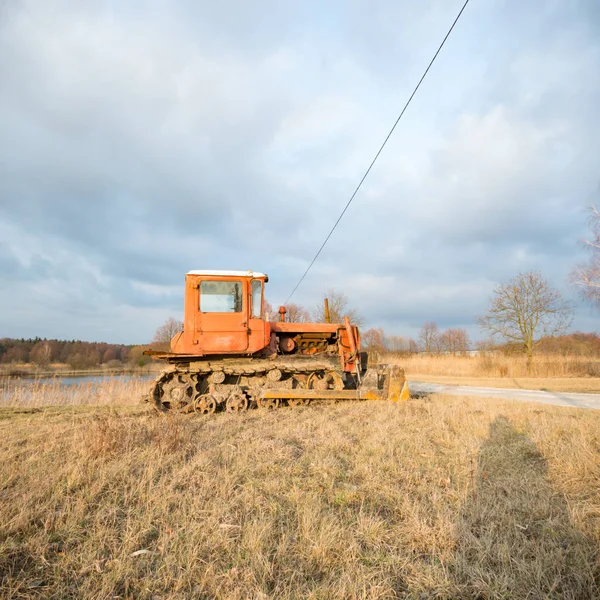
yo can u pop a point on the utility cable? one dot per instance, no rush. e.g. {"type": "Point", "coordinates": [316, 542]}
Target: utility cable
{"type": "Point", "coordinates": [379, 151]}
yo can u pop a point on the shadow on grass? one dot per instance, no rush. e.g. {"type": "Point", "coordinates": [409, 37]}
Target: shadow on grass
{"type": "Point", "coordinates": [516, 538]}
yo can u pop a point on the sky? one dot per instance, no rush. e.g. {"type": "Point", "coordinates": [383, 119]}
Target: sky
{"type": "Point", "coordinates": [141, 140]}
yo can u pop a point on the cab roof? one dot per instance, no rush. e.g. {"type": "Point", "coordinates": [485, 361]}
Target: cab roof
{"type": "Point", "coordinates": [254, 274]}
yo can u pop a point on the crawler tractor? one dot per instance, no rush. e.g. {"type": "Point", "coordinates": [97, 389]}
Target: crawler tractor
{"type": "Point", "coordinates": [230, 356]}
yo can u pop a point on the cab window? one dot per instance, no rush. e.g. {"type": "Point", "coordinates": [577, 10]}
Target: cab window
{"type": "Point", "coordinates": [221, 296]}
{"type": "Point", "coordinates": [256, 298]}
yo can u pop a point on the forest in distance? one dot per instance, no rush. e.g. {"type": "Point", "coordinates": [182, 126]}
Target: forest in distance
{"type": "Point", "coordinates": [75, 354]}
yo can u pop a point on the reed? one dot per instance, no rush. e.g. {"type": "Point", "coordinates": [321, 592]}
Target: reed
{"type": "Point", "coordinates": [499, 365]}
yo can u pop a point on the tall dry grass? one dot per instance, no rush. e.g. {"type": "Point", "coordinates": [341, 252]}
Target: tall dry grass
{"type": "Point", "coordinates": [55, 392]}
{"type": "Point", "coordinates": [439, 497]}
{"type": "Point", "coordinates": [498, 365]}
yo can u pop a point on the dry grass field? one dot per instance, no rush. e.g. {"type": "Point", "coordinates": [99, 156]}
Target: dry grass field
{"type": "Point", "coordinates": [439, 497]}
{"type": "Point", "coordinates": [553, 373]}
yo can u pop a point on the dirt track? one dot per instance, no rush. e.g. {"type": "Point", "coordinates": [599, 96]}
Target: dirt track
{"type": "Point", "coordinates": [556, 398]}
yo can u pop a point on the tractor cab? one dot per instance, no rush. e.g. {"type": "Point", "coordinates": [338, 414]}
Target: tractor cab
{"type": "Point", "coordinates": [223, 314]}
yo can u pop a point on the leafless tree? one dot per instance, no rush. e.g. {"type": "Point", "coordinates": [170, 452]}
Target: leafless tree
{"type": "Point", "coordinates": [429, 337]}
{"type": "Point", "coordinates": [296, 314]}
{"type": "Point", "coordinates": [586, 276]}
{"type": "Point", "coordinates": [377, 340]}
{"type": "Point", "coordinates": [525, 310]}
{"type": "Point", "coordinates": [373, 340]}
{"type": "Point", "coordinates": [338, 309]}
{"type": "Point", "coordinates": [270, 312]}
{"type": "Point", "coordinates": [454, 341]}
{"type": "Point", "coordinates": [164, 334]}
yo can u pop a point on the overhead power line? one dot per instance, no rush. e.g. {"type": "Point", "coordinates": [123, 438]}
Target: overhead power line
{"type": "Point", "coordinates": [379, 151]}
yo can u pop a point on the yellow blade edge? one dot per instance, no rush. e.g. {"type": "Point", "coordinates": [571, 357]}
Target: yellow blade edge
{"type": "Point", "coordinates": [405, 393]}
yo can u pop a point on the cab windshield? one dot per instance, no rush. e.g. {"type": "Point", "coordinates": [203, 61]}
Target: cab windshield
{"type": "Point", "coordinates": [221, 296]}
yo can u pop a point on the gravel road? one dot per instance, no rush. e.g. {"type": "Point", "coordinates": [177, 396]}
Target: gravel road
{"type": "Point", "coordinates": [556, 398]}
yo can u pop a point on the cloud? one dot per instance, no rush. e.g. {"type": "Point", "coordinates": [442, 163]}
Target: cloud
{"type": "Point", "coordinates": [140, 141]}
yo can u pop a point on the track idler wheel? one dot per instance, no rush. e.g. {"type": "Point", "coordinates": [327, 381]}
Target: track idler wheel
{"type": "Point", "coordinates": [268, 403]}
{"type": "Point", "coordinates": [205, 405]}
{"type": "Point", "coordinates": [237, 402]}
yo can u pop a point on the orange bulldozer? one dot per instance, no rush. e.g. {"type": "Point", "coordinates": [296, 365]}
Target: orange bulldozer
{"type": "Point", "coordinates": [231, 357]}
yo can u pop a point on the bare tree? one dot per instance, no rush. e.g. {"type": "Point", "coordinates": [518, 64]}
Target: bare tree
{"type": "Point", "coordinates": [338, 309]}
{"type": "Point", "coordinates": [487, 345]}
{"type": "Point", "coordinates": [377, 340]}
{"type": "Point", "coordinates": [270, 312]}
{"type": "Point", "coordinates": [429, 337]}
{"type": "Point", "coordinates": [454, 341]}
{"type": "Point", "coordinates": [296, 314]}
{"type": "Point", "coordinates": [373, 340]}
{"type": "Point", "coordinates": [397, 343]}
{"type": "Point", "coordinates": [525, 310]}
{"type": "Point", "coordinates": [164, 334]}
{"type": "Point", "coordinates": [587, 276]}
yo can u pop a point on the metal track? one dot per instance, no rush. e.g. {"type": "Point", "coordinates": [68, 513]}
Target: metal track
{"type": "Point", "coordinates": [238, 385]}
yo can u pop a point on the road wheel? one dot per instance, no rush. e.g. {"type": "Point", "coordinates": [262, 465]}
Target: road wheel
{"type": "Point", "coordinates": [237, 402]}
{"type": "Point", "coordinates": [205, 405]}
{"type": "Point", "coordinates": [268, 403]}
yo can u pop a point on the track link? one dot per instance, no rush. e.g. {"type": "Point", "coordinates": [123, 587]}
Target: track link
{"type": "Point", "coordinates": [239, 386]}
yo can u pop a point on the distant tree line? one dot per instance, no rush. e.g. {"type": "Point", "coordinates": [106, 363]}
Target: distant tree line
{"type": "Point", "coordinates": [451, 341]}
{"type": "Point", "coordinates": [75, 353]}
{"type": "Point", "coordinates": [573, 344]}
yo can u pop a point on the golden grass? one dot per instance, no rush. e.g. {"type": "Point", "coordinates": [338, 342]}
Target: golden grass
{"type": "Point", "coordinates": [553, 372]}
{"type": "Point", "coordinates": [443, 497]}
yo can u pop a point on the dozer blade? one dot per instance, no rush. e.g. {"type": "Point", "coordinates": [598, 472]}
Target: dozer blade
{"type": "Point", "coordinates": [385, 382]}
{"type": "Point", "coordinates": [397, 384]}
